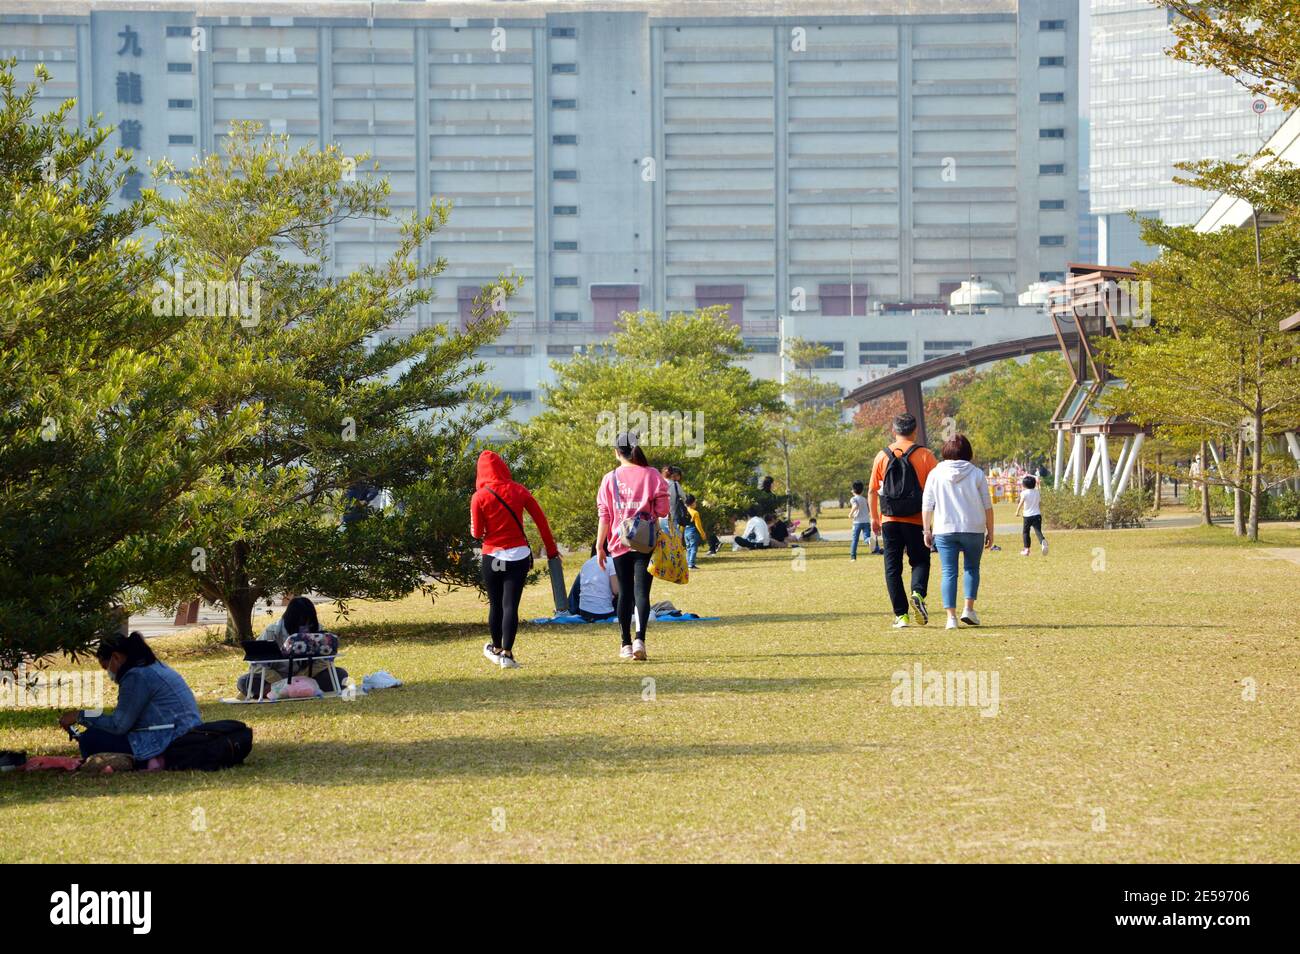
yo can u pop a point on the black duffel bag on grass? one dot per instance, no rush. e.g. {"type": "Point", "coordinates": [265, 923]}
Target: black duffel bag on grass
{"type": "Point", "coordinates": [210, 746]}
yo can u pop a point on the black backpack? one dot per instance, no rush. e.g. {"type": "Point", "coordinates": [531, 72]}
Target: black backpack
{"type": "Point", "coordinates": [210, 746]}
{"type": "Point", "coordinates": [900, 491]}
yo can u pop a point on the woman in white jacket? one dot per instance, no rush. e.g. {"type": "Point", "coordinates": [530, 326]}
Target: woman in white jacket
{"type": "Point", "coordinates": [957, 516]}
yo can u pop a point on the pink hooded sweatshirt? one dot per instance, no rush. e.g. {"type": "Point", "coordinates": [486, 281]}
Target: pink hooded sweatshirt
{"type": "Point", "coordinates": [640, 490]}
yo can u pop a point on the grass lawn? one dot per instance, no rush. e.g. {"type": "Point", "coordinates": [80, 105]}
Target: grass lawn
{"type": "Point", "coordinates": [1121, 732]}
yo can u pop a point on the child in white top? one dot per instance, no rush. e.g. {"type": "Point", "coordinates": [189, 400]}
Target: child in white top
{"type": "Point", "coordinates": [1029, 508]}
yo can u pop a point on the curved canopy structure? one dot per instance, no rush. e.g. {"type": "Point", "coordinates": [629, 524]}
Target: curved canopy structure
{"type": "Point", "coordinates": [909, 379]}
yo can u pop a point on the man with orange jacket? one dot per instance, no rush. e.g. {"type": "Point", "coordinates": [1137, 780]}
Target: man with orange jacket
{"type": "Point", "coordinates": [898, 478]}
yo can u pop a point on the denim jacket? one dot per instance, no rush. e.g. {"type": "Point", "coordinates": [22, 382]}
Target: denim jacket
{"type": "Point", "coordinates": [153, 695]}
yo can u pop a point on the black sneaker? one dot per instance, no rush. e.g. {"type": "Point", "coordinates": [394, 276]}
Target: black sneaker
{"type": "Point", "coordinates": [918, 604]}
{"type": "Point", "coordinates": [10, 760]}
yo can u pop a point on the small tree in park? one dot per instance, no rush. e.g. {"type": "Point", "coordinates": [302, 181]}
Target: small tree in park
{"type": "Point", "coordinates": [815, 454]}
{"type": "Point", "coordinates": [102, 430]}
{"type": "Point", "coordinates": [1214, 361]}
{"type": "Point", "coordinates": [337, 404]}
{"type": "Point", "coordinates": [679, 381]}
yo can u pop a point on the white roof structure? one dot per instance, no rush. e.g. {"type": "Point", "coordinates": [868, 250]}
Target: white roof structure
{"type": "Point", "coordinates": [1230, 212]}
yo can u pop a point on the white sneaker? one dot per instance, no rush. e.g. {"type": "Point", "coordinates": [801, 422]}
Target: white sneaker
{"type": "Point", "coordinates": [508, 661]}
{"type": "Point", "coordinates": [490, 655]}
{"type": "Point", "coordinates": [1025, 552]}
{"type": "Point", "coordinates": [970, 617]}
{"type": "Point", "coordinates": [638, 649]}
{"type": "Point", "coordinates": [1044, 546]}
{"type": "Point", "coordinates": [625, 652]}
{"type": "Point", "coordinates": [951, 624]}
{"type": "Point", "coordinates": [900, 622]}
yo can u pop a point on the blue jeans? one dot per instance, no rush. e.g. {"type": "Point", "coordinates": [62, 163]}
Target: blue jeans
{"type": "Point", "coordinates": [693, 541]}
{"type": "Point", "coordinates": [859, 528]}
{"type": "Point", "coordinates": [971, 547]}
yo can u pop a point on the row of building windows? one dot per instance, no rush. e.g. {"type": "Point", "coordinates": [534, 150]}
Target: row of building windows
{"type": "Point", "coordinates": [892, 354]}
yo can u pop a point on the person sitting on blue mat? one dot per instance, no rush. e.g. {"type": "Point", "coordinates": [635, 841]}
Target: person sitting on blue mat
{"type": "Point", "coordinates": [595, 589]}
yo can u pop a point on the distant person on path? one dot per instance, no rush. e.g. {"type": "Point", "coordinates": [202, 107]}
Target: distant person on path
{"type": "Point", "coordinates": [496, 517]}
{"type": "Point", "coordinates": [695, 534]}
{"type": "Point", "coordinates": [633, 489]}
{"type": "Point", "coordinates": [155, 706]}
{"type": "Point", "coordinates": [1030, 510]}
{"type": "Point", "coordinates": [897, 483]}
{"type": "Point", "coordinates": [859, 516]}
{"type": "Point", "coordinates": [958, 516]}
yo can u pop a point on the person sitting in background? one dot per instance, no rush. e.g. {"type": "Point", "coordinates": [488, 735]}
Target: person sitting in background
{"type": "Point", "coordinates": [155, 707]}
{"type": "Point", "coordinates": [299, 616]}
{"type": "Point", "coordinates": [757, 536]}
{"type": "Point", "coordinates": [779, 531]}
{"type": "Point", "coordinates": [811, 532]}
{"type": "Point", "coordinates": [596, 588]}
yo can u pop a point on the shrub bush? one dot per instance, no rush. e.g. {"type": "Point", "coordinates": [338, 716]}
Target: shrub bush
{"type": "Point", "coordinates": [1277, 504]}
{"type": "Point", "coordinates": [1062, 510]}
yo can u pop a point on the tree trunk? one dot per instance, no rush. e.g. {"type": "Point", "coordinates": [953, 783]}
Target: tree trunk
{"type": "Point", "coordinates": [240, 600]}
{"type": "Point", "coordinates": [1256, 466]}
{"type": "Point", "coordinates": [785, 448]}
{"type": "Point", "coordinates": [1159, 485]}
{"type": "Point", "coordinates": [239, 617]}
{"type": "Point", "coordinates": [1206, 518]}
{"type": "Point", "coordinates": [1238, 498]}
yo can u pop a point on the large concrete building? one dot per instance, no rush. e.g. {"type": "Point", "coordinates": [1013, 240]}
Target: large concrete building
{"type": "Point", "coordinates": [1149, 111]}
{"type": "Point", "coordinates": [815, 160]}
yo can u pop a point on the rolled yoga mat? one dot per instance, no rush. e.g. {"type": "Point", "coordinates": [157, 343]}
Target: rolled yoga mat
{"type": "Point", "coordinates": [558, 591]}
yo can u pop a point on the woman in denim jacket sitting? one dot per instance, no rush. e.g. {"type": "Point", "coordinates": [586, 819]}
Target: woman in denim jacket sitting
{"type": "Point", "coordinates": [154, 705]}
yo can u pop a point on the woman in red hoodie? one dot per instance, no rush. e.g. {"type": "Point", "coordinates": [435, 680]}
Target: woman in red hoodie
{"type": "Point", "coordinates": [496, 517]}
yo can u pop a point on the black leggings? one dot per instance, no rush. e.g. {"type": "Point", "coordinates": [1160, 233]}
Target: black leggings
{"type": "Point", "coordinates": [505, 587]}
{"type": "Point", "coordinates": [1036, 522]}
{"type": "Point", "coordinates": [634, 579]}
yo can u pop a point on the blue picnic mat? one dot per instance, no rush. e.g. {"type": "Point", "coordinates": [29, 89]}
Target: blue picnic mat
{"type": "Point", "coordinates": [572, 618]}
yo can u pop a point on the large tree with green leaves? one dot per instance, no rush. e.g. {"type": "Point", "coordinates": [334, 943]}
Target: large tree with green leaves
{"type": "Point", "coordinates": [815, 455]}
{"type": "Point", "coordinates": [1256, 42]}
{"type": "Point", "coordinates": [1006, 409]}
{"type": "Point", "coordinates": [680, 381]}
{"type": "Point", "coordinates": [336, 401]}
{"type": "Point", "coordinates": [102, 427]}
{"type": "Point", "coordinates": [1214, 362]}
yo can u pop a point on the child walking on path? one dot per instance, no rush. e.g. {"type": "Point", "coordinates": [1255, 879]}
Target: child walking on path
{"type": "Point", "coordinates": [496, 517]}
{"type": "Point", "coordinates": [1030, 508]}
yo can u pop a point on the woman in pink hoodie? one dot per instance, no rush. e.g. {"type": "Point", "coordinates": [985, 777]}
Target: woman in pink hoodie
{"type": "Point", "coordinates": [631, 489]}
{"type": "Point", "coordinates": [496, 514]}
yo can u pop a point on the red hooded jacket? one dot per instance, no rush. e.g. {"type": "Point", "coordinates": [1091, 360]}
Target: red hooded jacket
{"type": "Point", "coordinates": [488, 519]}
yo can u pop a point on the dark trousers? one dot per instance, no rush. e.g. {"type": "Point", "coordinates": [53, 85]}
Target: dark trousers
{"type": "Point", "coordinates": [634, 579]}
{"type": "Point", "coordinates": [747, 544]}
{"type": "Point", "coordinates": [505, 587]}
{"type": "Point", "coordinates": [1035, 522]}
{"type": "Point", "coordinates": [899, 537]}
{"type": "Point", "coordinates": [94, 740]}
